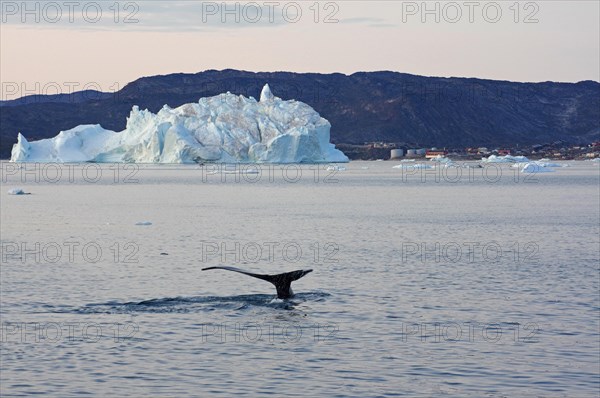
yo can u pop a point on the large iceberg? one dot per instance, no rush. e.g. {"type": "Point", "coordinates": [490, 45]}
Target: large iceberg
{"type": "Point", "coordinates": [225, 128]}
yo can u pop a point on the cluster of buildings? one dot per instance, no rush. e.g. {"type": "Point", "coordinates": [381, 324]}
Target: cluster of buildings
{"type": "Point", "coordinates": [390, 150]}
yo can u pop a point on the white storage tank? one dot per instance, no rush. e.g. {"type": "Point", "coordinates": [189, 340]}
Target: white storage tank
{"type": "Point", "coordinates": [411, 152]}
{"type": "Point", "coordinates": [397, 153]}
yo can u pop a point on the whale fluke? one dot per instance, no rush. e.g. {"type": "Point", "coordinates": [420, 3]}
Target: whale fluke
{"type": "Point", "coordinates": [282, 282]}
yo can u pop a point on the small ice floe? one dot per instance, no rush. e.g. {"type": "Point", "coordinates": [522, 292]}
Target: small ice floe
{"type": "Point", "coordinates": [597, 160]}
{"type": "Point", "coordinates": [143, 223]}
{"type": "Point", "coordinates": [547, 164]}
{"type": "Point", "coordinates": [505, 159]}
{"type": "Point", "coordinates": [17, 191]}
{"type": "Point", "coordinates": [364, 168]}
{"type": "Point", "coordinates": [538, 166]}
{"type": "Point", "coordinates": [535, 168]}
{"type": "Point", "coordinates": [413, 166]}
{"type": "Point", "coordinates": [335, 167]}
{"type": "Point", "coordinates": [520, 165]}
{"type": "Point", "coordinates": [440, 159]}
{"type": "Point", "coordinates": [407, 161]}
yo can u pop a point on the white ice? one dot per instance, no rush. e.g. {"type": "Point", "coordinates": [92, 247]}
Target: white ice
{"type": "Point", "coordinates": [414, 166]}
{"type": "Point", "coordinates": [535, 168]}
{"type": "Point", "coordinates": [225, 128]}
{"type": "Point", "coordinates": [441, 159]}
{"type": "Point", "coordinates": [539, 163]}
{"type": "Point", "coordinates": [505, 159]}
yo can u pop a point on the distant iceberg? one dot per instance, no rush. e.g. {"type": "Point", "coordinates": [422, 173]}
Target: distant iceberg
{"type": "Point", "coordinates": [505, 159]}
{"type": "Point", "coordinates": [538, 163]}
{"type": "Point", "coordinates": [335, 167]}
{"type": "Point", "coordinates": [225, 128]}
{"type": "Point", "coordinates": [440, 159]}
{"type": "Point", "coordinates": [535, 168]}
{"type": "Point", "coordinates": [547, 164]}
{"type": "Point", "coordinates": [417, 166]}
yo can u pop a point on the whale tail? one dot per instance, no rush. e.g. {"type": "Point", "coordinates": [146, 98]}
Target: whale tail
{"type": "Point", "coordinates": [282, 282]}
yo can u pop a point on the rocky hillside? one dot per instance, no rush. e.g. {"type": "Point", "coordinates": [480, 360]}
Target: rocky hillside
{"type": "Point", "coordinates": [365, 106]}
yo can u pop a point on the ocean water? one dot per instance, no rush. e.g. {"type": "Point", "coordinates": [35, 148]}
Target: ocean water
{"type": "Point", "coordinates": [464, 282]}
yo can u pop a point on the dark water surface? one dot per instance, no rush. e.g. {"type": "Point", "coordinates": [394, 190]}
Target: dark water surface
{"type": "Point", "coordinates": [476, 285]}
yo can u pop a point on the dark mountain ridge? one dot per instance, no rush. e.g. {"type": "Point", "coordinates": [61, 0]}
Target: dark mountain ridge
{"type": "Point", "coordinates": [362, 107]}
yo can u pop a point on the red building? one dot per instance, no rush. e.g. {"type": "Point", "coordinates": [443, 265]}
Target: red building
{"type": "Point", "coordinates": [430, 153]}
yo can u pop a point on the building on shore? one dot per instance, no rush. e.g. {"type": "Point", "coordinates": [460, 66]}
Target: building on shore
{"type": "Point", "coordinates": [434, 153]}
{"type": "Point", "coordinates": [396, 153]}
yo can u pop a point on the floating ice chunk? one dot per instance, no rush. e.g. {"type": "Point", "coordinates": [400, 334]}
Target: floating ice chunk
{"type": "Point", "coordinates": [143, 223]}
{"type": "Point", "coordinates": [440, 159]}
{"type": "Point", "coordinates": [535, 168]}
{"type": "Point", "coordinates": [472, 166]}
{"type": "Point", "coordinates": [544, 164]}
{"type": "Point", "coordinates": [17, 191]}
{"type": "Point", "coordinates": [414, 166]}
{"type": "Point", "coordinates": [519, 158]}
{"type": "Point", "coordinates": [520, 165]}
{"type": "Point", "coordinates": [504, 159]}
{"type": "Point", "coordinates": [335, 167]}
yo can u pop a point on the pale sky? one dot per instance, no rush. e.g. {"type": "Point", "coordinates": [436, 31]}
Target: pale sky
{"type": "Point", "coordinates": [68, 48]}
